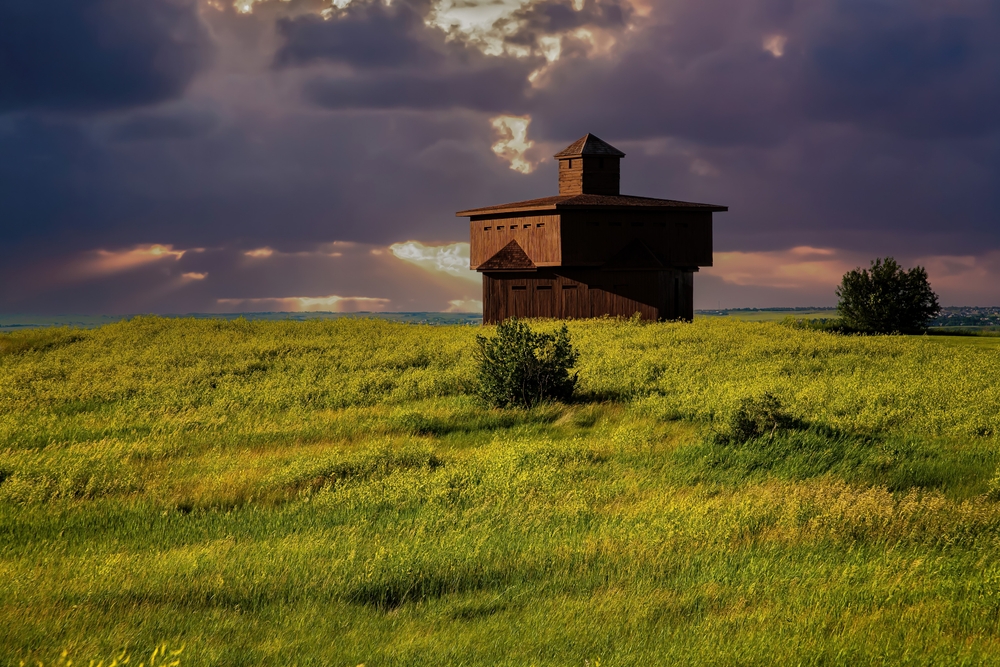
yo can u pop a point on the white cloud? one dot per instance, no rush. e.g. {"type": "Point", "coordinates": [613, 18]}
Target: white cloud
{"type": "Point", "coordinates": [476, 21]}
{"type": "Point", "coordinates": [702, 167]}
{"type": "Point", "coordinates": [451, 259]}
{"type": "Point", "coordinates": [465, 306]}
{"type": "Point", "coordinates": [513, 141]}
{"type": "Point", "coordinates": [245, 6]}
{"type": "Point", "coordinates": [775, 45]}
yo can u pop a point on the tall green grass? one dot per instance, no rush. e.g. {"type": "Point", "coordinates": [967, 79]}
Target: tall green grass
{"type": "Point", "coordinates": [330, 492]}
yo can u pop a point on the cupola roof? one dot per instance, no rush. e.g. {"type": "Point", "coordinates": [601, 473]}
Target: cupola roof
{"type": "Point", "coordinates": [589, 144]}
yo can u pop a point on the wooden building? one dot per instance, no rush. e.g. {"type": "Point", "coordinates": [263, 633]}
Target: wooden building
{"type": "Point", "coordinates": [590, 251]}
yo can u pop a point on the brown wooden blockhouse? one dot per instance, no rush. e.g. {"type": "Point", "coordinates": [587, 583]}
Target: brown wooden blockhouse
{"type": "Point", "coordinates": [590, 251]}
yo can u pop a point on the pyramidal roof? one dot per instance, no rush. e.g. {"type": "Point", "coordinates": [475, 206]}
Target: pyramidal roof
{"type": "Point", "coordinates": [588, 144]}
{"type": "Point", "coordinates": [511, 257]}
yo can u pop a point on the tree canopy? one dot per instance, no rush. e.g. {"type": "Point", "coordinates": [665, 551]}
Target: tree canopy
{"type": "Point", "coordinates": [886, 298]}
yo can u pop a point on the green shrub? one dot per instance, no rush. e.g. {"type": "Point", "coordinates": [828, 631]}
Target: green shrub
{"type": "Point", "coordinates": [520, 367]}
{"type": "Point", "coordinates": [757, 416]}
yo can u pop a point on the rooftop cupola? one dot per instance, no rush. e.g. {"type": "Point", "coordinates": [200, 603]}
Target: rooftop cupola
{"type": "Point", "coordinates": [589, 166]}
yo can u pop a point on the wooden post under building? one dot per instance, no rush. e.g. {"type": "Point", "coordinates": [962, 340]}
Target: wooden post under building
{"type": "Point", "coordinates": [590, 251]}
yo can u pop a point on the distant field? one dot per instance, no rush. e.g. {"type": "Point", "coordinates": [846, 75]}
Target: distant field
{"type": "Point", "coordinates": [987, 341]}
{"type": "Point", "coordinates": [769, 315]}
{"type": "Point", "coordinates": [329, 492]}
{"type": "Point", "coordinates": [963, 321]}
{"type": "Point", "coordinates": [14, 322]}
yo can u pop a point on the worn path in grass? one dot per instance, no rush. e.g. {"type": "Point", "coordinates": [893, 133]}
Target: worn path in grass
{"type": "Point", "coordinates": [330, 493]}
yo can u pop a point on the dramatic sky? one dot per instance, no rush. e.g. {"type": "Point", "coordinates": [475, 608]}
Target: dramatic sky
{"type": "Point", "coordinates": [200, 155]}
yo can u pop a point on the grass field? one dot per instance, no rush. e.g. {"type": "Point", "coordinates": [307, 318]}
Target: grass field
{"type": "Point", "coordinates": [330, 493]}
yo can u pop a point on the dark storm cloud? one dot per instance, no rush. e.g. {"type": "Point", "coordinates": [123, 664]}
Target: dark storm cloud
{"type": "Point", "coordinates": [98, 54]}
{"type": "Point", "coordinates": [364, 34]}
{"type": "Point", "coordinates": [398, 62]}
{"type": "Point", "coordinates": [37, 176]}
{"type": "Point", "coordinates": [546, 17]}
{"type": "Point", "coordinates": [874, 126]}
{"type": "Point", "coordinates": [491, 89]}
{"type": "Point", "coordinates": [288, 181]}
{"type": "Point", "coordinates": [905, 69]}
{"type": "Point", "coordinates": [867, 126]}
{"type": "Point", "coordinates": [164, 124]}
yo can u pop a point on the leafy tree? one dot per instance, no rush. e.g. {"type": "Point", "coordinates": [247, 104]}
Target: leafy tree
{"type": "Point", "coordinates": [520, 367]}
{"type": "Point", "coordinates": [887, 299]}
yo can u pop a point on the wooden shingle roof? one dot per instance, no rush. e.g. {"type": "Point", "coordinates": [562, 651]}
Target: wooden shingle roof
{"type": "Point", "coordinates": [588, 144]}
{"type": "Point", "coordinates": [511, 257]}
{"type": "Point", "coordinates": [566, 202]}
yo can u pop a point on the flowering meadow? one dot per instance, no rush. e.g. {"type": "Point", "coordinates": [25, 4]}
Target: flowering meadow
{"type": "Point", "coordinates": [333, 493]}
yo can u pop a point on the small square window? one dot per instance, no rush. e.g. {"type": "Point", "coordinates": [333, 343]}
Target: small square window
{"type": "Point", "coordinates": [519, 288]}
{"type": "Point", "coordinates": [540, 225]}
{"type": "Point", "coordinates": [499, 227]}
{"type": "Point", "coordinates": [637, 224]}
{"type": "Point", "coordinates": [526, 226]}
{"type": "Point", "coordinates": [569, 286]}
{"type": "Point", "coordinates": [544, 287]}
{"type": "Point", "coordinates": [486, 229]}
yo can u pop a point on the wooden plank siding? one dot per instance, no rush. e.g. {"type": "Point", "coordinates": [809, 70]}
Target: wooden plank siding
{"type": "Point", "coordinates": [594, 175]}
{"type": "Point", "coordinates": [584, 293]}
{"type": "Point", "coordinates": [680, 238]}
{"type": "Point", "coordinates": [538, 236]}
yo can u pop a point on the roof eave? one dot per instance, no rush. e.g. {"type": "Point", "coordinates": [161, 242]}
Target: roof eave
{"type": "Point", "coordinates": [635, 207]}
{"type": "Point", "coordinates": [481, 269]}
{"type": "Point", "coordinates": [685, 206]}
{"type": "Point", "coordinates": [516, 209]}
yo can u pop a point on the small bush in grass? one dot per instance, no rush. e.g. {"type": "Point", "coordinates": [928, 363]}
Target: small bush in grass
{"type": "Point", "coordinates": [757, 416]}
{"type": "Point", "coordinates": [520, 367]}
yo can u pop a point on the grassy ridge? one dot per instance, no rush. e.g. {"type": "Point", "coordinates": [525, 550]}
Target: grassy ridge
{"type": "Point", "coordinates": [328, 492]}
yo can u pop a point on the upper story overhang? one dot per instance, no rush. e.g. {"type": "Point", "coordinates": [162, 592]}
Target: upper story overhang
{"type": "Point", "coordinates": [587, 201]}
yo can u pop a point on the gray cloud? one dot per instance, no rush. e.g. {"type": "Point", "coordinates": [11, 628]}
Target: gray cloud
{"type": "Point", "coordinates": [364, 35]}
{"type": "Point", "coordinates": [498, 89]}
{"type": "Point", "coordinates": [164, 124]}
{"type": "Point", "coordinates": [92, 55]}
{"type": "Point", "coordinates": [875, 130]}
{"type": "Point", "coordinates": [546, 17]}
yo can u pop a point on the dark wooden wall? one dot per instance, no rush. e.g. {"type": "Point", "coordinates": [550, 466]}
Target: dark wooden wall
{"type": "Point", "coordinates": [538, 236]}
{"type": "Point", "coordinates": [582, 293]}
{"type": "Point", "coordinates": [590, 175]}
{"type": "Point", "coordinates": [591, 237]}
